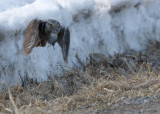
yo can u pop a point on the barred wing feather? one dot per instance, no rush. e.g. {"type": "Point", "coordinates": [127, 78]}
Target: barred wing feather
{"type": "Point", "coordinates": [31, 37]}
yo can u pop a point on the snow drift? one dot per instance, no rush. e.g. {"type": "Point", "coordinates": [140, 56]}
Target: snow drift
{"type": "Point", "coordinates": [105, 26]}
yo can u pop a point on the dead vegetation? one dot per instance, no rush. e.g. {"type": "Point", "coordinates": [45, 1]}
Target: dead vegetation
{"type": "Point", "coordinates": [104, 83]}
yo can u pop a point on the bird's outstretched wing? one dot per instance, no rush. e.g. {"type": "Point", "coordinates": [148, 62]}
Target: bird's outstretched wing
{"type": "Point", "coordinates": [31, 37]}
{"type": "Point", "coordinates": [64, 42]}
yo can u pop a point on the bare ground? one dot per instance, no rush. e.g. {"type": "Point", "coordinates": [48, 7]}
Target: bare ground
{"type": "Point", "coordinates": [127, 83]}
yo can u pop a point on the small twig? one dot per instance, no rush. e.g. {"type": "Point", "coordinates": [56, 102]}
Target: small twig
{"type": "Point", "coordinates": [13, 103]}
{"type": "Point", "coordinates": [21, 79]}
{"type": "Point", "coordinates": [79, 60]}
{"type": "Point", "coordinates": [148, 84]}
{"type": "Point", "coordinates": [75, 65]}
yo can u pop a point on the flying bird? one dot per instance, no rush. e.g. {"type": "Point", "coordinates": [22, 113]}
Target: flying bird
{"type": "Point", "coordinates": [41, 32]}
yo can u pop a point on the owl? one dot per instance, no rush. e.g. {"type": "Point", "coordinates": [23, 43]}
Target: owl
{"type": "Point", "coordinates": [40, 32]}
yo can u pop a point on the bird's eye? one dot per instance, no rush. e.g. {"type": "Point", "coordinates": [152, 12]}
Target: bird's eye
{"type": "Point", "coordinates": [50, 25]}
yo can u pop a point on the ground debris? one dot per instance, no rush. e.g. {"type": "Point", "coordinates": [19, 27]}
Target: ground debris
{"type": "Point", "coordinates": [124, 82]}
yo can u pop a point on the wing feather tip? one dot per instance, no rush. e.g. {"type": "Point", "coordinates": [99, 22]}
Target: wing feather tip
{"type": "Point", "coordinates": [25, 53]}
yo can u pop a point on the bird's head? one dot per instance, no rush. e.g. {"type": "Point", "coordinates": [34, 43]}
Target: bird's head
{"type": "Point", "coordinates": [53, 26]}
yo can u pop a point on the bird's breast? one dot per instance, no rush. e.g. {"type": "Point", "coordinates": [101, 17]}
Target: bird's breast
{"type": "Point", "coordinates": [52, 38]}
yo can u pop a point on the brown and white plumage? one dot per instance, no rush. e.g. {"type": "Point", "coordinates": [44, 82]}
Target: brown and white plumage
{"type": "Point", "coordinates": [31, 37]}
{"type": "Point", "coordinates": [39, 33]}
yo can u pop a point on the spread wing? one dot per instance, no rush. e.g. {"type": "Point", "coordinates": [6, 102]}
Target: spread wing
{"type": "Point", "coordinates": [31, 37]}
{"type": "Point", "coordinates": [64, 42]}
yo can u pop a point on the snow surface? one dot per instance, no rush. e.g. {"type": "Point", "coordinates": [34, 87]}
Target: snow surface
{"type": "Point", "coordinates": [105, 26]}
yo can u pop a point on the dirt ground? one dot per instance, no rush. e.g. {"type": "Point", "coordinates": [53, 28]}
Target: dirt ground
{"type": "Point", "coordinates": [150, 106]}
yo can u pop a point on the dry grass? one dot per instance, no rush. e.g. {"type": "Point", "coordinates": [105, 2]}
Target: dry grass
{"type": "Point", "coordinates": [102, 84]}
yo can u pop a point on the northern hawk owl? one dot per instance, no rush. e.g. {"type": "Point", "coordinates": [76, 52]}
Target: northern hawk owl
{"type": "Point", "coordinates": [39, 32]}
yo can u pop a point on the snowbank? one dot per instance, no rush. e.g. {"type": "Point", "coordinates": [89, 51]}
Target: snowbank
{"type": "Point", "coordinates": [106, 26]}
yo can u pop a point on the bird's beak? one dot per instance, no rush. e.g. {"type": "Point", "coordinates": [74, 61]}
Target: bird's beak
{"type": "Point", "coordinates": [56, 30]}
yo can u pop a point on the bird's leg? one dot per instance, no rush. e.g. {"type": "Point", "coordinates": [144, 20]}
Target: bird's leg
{"type": "Point", "coordinates": [53, 43]}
